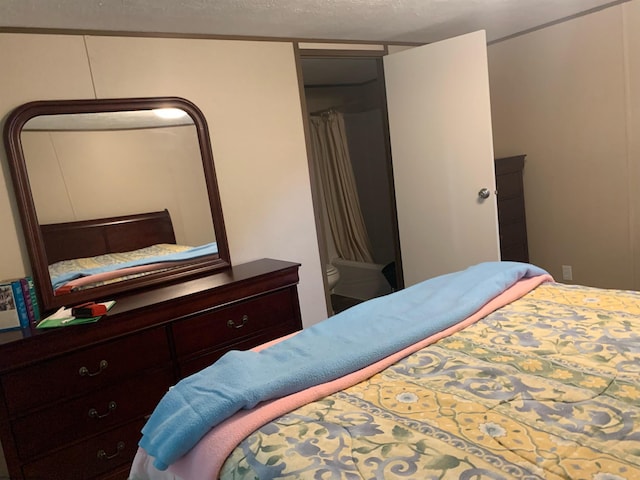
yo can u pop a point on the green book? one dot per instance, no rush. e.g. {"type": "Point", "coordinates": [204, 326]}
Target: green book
{"type": "Point", "coordinates": [64, 318]}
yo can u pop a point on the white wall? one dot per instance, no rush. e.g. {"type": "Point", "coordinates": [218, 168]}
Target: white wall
{"type": "Point", "coordinates": [94, 174]}
{"type": "Point", "coordinates": [567, 97]}
{"type": "Point", "coordinates": [51, 67]}
{"type": "Point", "coordinates": [242, 87]}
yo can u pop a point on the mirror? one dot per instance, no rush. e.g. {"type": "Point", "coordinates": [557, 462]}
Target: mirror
{"type": "Point", "coordinates": [115, 195]}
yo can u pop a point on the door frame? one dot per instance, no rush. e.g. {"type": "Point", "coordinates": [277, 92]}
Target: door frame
{"type": "Point", "coordinates": [344, 52]}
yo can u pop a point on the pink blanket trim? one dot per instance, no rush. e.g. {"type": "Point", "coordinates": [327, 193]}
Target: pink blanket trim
{"type": "Point", "coordinates": [206, 459]}
{"type": "Point", "coordinates": [100, 277]}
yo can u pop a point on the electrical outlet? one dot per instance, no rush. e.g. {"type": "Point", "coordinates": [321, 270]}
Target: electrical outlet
{"type": "Point", "coordinates": [567, 272]}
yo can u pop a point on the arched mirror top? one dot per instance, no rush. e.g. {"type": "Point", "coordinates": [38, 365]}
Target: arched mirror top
{"type": "Point", "coordinates": [115, 195]}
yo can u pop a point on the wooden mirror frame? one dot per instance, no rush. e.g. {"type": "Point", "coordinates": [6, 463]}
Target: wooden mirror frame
{"type": "Point", "coordinates": [31, 226]}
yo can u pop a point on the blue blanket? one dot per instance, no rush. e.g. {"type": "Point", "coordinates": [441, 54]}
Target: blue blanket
{"type": "Point", "coordinates": [330, 349]}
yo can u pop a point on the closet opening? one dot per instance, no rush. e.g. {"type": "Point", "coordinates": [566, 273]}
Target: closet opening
{"type": "Point", "coordinates": [352, 177]}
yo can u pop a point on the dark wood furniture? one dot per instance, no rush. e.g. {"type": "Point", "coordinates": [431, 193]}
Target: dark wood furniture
{"type": "Point", "coordinates": [112, 111]}
{"type": "Point", "coordinates": [511, 211]}
{"type": "Point", "coordinates": [73, 400]}
{"type": "Point", "coordinates": [88, 238]}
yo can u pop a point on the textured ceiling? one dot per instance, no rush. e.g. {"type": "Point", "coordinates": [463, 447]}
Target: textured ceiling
{"type": "Point", "coordinates": [367, 20]}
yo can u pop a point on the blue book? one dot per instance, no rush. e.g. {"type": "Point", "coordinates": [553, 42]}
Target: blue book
{"type": "Point", "coordinates": [21, 305]}
{"type": "Point", "coordinates": [27, 300]}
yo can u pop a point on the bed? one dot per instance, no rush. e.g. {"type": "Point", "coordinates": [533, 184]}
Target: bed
{"type": "Point", "coordinates": [515, 376]}
{"type": "Point", "coordinates": [89, 253]}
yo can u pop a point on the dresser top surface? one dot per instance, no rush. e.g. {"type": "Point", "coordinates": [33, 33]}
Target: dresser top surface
{"type": "Point", "coordinates": [149, 308]}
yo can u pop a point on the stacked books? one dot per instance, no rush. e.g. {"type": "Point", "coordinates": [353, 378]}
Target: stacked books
{"type": "Point", "coordinates": [18, 304]}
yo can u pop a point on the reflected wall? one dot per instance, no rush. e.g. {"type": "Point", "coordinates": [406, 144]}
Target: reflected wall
{"type": "Point", "coordinates": [83, 175]}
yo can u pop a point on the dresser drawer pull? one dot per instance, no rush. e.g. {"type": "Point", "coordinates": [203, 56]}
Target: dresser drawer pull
{"type": "Point", "coordinates": [84, 371]}
{"type": "Point", "coordinates": [102, 455]}
{"type": "Point", "coordinates": [93, 413]}
{"type": "Point", "coordinates": [232, 324]}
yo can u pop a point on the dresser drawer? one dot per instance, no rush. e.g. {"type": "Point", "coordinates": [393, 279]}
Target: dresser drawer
{"type": "Point", "coordinates": [513, 233]}
{"type": "Point", "coordinates": [85, 370]}
{"type": "Point", "coordinates": [511, 209]}
{"type": "Point", "coordinates": [89, 458]}
{"type": "Point", "coordinates": [509, 185]}
{"type": "Point", "coordinates": [195, 364]}
{"type": "Point", "coordinates": [91, 414]}
{"type": "Point", "coordinates": [217, 328]}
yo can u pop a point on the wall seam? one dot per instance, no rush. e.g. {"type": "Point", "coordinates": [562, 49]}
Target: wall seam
{"type": "Point", "coordinates": [93, 83]}
{"type": "Point", "coordinates": [631, 170]}
{"type": "Point", "coordinates": [62, 175]}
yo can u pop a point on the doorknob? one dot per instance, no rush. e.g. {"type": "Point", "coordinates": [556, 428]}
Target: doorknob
{"type": "Point", "coordinates": [484, 193]}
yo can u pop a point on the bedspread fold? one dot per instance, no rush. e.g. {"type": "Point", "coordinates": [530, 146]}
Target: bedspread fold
{"type": "Point", "coordinates": [338, 346]}
{"type": "Point", "coordinates": [67, 270]}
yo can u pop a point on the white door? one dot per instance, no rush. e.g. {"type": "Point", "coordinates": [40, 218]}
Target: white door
{"type": "Point", "coordinates": [442, 151]}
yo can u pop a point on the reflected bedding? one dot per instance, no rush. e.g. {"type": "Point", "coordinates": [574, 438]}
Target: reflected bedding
{"type": "Point", "coordinates": [81, 273]}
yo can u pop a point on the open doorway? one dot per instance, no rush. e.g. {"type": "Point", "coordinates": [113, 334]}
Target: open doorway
{"type": "Point", "coordinates": [437, 119]}
{"type": "Point", "coordinates": [350, 91]}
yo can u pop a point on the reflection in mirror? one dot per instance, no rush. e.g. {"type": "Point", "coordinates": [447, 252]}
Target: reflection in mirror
{"type": "Point", "coordinates": [94, 165]}
{"type": "Point", "coordinates": [122, 195]}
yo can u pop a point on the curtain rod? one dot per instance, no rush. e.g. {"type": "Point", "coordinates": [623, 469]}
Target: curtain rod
{"type": "Point", "coordinates": [326, 111]}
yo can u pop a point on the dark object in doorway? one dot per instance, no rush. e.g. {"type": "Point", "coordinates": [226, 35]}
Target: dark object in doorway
{"type": "Point", "coordinates": [340, 303]}
{"type": "Point", "coordinates": [389, 272]}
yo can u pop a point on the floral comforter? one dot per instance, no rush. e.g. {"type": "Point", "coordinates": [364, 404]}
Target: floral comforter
{"type": "Point", "coordinates": [546, 387]}
{"type": "Point", "coordinates": [108, 261]}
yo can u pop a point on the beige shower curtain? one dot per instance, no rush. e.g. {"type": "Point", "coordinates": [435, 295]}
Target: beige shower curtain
{"type": "Point", "coordinates": [333, 168]}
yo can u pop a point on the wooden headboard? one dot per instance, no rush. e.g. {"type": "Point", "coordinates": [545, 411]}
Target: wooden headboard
{"type": "Point", "coordinates": [88, 238]}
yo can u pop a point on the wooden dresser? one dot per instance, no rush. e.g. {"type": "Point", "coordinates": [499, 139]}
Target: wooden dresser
{"type": "Point", "coordinates": [73, 400]}
{"type": "Point", "coordinates": [511, 211]}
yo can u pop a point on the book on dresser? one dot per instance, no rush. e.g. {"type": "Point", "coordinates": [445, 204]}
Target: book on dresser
{"type": "Point", "coordinates": [9, 316]}
{"type": "Point", "coordinates": [31, 300]}
{"type": "Point", "coordinates": [18, 303]}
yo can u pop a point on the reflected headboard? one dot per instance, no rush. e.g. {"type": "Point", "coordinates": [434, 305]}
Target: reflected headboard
{"type": "Point", "coordinates": [88, 238]}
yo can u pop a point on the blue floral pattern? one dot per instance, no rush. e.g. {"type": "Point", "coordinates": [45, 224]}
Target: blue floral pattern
{"type": "Point", "coordinates": [546, 387]}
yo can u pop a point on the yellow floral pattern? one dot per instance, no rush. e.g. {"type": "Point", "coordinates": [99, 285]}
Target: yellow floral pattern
{"type": "Point", "coordinates": [546, 387]}
{"type": "Point", "coordinates": [108, 259]}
